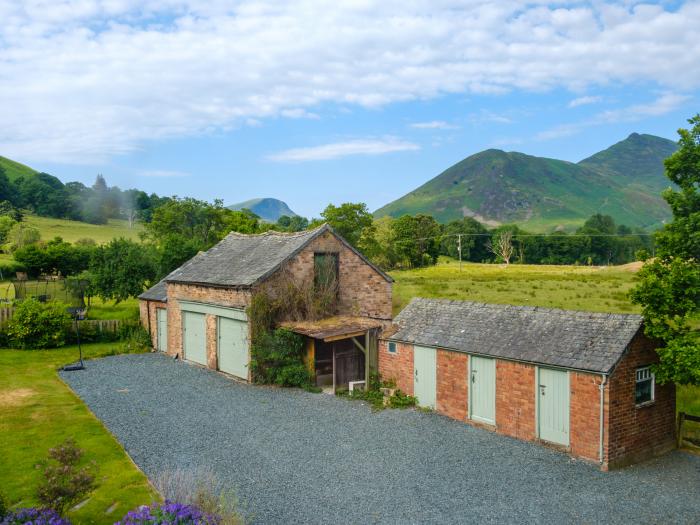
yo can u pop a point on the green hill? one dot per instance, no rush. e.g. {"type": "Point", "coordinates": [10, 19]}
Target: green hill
{"type": "Point", "coordinates": [14, 169]}
{"type": "Point", "coordinates": [542, 194]}
{"type": "Point", "coordinates": [268, 209]}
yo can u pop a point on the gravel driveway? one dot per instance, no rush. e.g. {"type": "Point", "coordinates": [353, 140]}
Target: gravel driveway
{"type": "Point", "coordinates": [296, 457]}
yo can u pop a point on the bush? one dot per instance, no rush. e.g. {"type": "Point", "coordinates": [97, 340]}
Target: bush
{"type": "Point", "coordinates": [8, 269]}
{"type": "Point", "coordinates": [277, 359]}
{"type": "Point", "coordinates": [200, 488]}
{"type": "Point", "coordinates": [3, 506]}
{"type": "Point", "coordinates": [65, 484]}
{"type": "Point", "coordinates": [38, 325]}
{"type": "Point", "coordinates": [136, 337]}
{"type": "Point", "coordinates": [35, 517]}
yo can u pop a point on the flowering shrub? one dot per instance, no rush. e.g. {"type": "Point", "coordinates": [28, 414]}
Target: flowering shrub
{"type": "Point", "coordinates": [34, 517]}
{"type": "Point", "coordinates": [169, 513]}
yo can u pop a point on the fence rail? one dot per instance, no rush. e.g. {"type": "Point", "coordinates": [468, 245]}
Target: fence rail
{"type": "Point", "coordinates": [682, 418]}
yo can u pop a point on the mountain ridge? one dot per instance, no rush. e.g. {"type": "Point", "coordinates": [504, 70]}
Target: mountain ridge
{"type": "Point", "coordinates": [267, 208]}
{"type": "Point", "coordinates": [495, 187]}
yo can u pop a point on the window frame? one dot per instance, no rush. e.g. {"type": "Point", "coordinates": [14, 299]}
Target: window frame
{"type": "Point", "coordinates": [336, 257]}
{"type": "Point", "coordinates": [649, 376]}
{"type": "Point", "coordinates": [390, 345]}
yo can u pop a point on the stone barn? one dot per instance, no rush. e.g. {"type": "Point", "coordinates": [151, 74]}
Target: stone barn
{"type": "Point", "coordinates": [199, 311]}
{"type": "Point", "coordinates": [577, 381]}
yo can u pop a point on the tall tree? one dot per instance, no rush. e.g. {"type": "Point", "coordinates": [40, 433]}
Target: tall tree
{"type": "Point", "coordinates": [669, 287]}
{"type": "Point", "coordinates": [122, 269]}
{"type": "Point", "coordinates": [348, 220]}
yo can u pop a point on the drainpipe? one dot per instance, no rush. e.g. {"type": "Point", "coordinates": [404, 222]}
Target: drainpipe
{"type": "Point", "coordinates": [601, 452]}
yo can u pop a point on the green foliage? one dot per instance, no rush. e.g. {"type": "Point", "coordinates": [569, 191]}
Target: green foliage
{"type": "Point", "coordinates": [3, 506]}
{"type": "Point", "coordinates": [8, 210]}
{"type": "Point", "coordinates": [38, 325]}
{"type": "Point", "coordinates": [375, 396]}
{"type": "Point", "coordinates": [122, 269]}
{"type": "Point", "coordinates": [277, 359]}
{"type": "Point", "coordinates": [416, 240]}
{"type": "Point", "coordinates": [65, 483]}
{"type": "Point", "coordinates": [56, 256]}
{"type": "Point", "coordinates": [174, 250]}
{"type": "Point", "coordinates": [6, 224]}
{"type": "Point", "coordinates": [292, 224]}
{"type": "Point", "coordinates": [669, 288]}
{"type": "Point", "coordinates": [348, 220]}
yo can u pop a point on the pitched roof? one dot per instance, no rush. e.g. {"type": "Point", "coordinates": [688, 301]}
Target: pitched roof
{"type": "Point", "coordinates": [157, 292]}
{"type": "Point", "coordinates": [569, 339]}
{"type": "Point", "coordinates": [244, 260]}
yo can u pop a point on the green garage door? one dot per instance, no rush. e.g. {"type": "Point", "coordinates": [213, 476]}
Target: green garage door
{"type": "Point", "coordinates": [233, 347]}
{"type": "Point", "coordinates": [553, 406]}
{"type": "Point", "coordinates": [162, 326]}
{"type": "Point", "coordinates": [194, 337]}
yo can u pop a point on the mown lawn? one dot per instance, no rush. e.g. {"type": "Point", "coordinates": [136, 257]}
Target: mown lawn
{"type": "Point", "coordinates": [123, 310]}
{"type": "Point", "coordinates": [38, 412]}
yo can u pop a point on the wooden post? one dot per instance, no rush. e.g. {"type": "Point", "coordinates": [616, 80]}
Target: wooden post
{"type": "Point", "coordinates": [679, 433]}
{"type": "Point", "coordinates": [367, 358]}
{"type": "Point", "coordinates": [333, 369]}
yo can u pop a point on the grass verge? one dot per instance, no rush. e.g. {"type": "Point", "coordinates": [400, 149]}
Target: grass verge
{"type": "Point", "coordinates": [38, 412]}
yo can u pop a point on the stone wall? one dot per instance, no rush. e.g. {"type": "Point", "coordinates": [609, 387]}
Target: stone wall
{"type": "Point", "coordinates": [149, 319]}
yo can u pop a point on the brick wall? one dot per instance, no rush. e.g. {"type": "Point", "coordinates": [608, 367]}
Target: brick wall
{"type": "Point", "coordinates": [584, 415]}
{"type": "Point", "coordinates": [398, 366]}
{"type": "Point", "coordinates": [148, 309]}
{"type": "Point", "coordinates": [363, 291]}
{"type": "Point", "coordinates": [515, 399]}
{"type": "Point", "coordinates": [452, 384]}
{"type": "Point", "coordinates": [636, 433]}
{"type": "Point", "coordinates": [189, 292]}
{"type": "Point", "coordinates": [212, 341]}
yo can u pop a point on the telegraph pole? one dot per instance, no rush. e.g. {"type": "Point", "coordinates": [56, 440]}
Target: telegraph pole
{"type": "Point", "coordinates": [459, 250]}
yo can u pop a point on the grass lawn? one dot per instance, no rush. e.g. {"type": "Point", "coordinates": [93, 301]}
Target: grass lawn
{"type": "Point", "coordinates": [71, 231]}
{"type": "Point", "coordinates": [124, 310]}
{"type": "Point", "coordinates": [38, 412]}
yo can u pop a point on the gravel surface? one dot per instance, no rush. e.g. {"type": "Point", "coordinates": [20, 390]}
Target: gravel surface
{"type": "Point", "coordinates": [297, 457]}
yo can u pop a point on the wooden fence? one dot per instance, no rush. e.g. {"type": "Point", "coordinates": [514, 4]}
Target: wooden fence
{"type": "Point", "coordinates": [688, 436]}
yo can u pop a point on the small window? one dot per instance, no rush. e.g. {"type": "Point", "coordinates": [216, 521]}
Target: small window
{"type": "Point", "coordinates": [392, 348]}
{"type": "Point", "coordinates": [326, 272]}
{"type": "Point", "coordinates": [644, 386]}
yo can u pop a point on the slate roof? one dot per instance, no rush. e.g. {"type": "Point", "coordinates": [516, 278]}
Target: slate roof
{"type": "Point", "coordinates": [242, 260]}
{"type": "Point", "coordinates": [157, 292]}
{"type": "Point", "coordinates": [569, 339]}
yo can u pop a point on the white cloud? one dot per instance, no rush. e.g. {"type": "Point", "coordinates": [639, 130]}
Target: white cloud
{"type": "Point", "coordinates": [338, 150]}
{"type": "Point", "coordinates": [163, 174]}
{"type": "Point", "coordinates": [81, 80]}
{"type": "Point", "coordinates": [583, 101]}
{"type": "Point", "coordinates": [664, 103]}
{"type": "Point", "coordinates": [433, 124]}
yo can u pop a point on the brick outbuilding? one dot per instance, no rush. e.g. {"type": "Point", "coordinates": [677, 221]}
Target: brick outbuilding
{"type": "Point", "coordinates": [577, 381]}
{"type": "Point", "coordinates": [199, 311]}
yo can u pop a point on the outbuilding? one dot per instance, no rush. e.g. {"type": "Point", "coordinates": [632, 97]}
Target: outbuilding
{"type": "Point", "coordinates": [577, 381]}
{"type": "Point", "coordinates": [199, 311]}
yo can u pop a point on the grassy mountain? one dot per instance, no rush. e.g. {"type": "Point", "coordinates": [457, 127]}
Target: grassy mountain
{"type": "Point", "coordinates": [267, 209]}
{"type": "Point", "coordinates": [14, 169]}
{"type": "Point", "coordinates": [541, 194]}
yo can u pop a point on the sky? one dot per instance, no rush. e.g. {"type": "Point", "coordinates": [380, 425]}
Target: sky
{"type": "Point", "coordinates": [317, 102]}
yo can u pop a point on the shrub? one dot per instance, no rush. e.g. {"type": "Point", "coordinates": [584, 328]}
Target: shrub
{"type": "Point", "coordinates": [35, 517]}
{"type": "Point", "coordinates": [136, 337]}
{"type": "Point", "coordinates": [168, 512]}
{"type": "Point", "coordinates": [38, 325]}
{"type": "Point", "coordinates": [65, 484]}
{"type": "Point", "coordinates": [202, 489]}
{"type": "Point", "coordinates": [3, 506]}
{"type": "Point", "coordinates": [277, 359]}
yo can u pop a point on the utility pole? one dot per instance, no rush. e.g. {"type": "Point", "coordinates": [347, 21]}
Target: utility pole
{"type": "Point", "coordinates": [459, 250]}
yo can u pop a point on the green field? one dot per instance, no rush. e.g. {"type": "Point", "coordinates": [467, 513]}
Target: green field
{"type": "Point", "coordinates": [39, 412]}
{"type": "Point", "coordinates": [598, 289]}
{"type": "Point", "coordinates": [71, 231]}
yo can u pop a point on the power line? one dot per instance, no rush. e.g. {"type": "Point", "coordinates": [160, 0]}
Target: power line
{"type": "Point", "coordinates": [518, 235]}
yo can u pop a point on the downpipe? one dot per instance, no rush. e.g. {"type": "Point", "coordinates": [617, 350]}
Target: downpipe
{"type": "Point", "coordinates": [601, 452]}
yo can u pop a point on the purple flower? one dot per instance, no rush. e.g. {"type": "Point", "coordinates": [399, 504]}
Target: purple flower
{"type": "Point", "coordinates": [169, 513]}
{"type": "Point", "coordinates": [34, 517]}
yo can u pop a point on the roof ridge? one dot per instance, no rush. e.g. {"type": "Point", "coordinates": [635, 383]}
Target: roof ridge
{"type": "Point", "coordinates": [270, 233]}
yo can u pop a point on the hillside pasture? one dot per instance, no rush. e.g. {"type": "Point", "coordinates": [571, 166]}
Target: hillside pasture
{"type": "Point", "coordinates": [71, 231]}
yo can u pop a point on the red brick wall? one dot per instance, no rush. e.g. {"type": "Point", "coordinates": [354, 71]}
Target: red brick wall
{"type": "Point", "coordinates": [515, 399]}
{"type": "Point", "coordinates": [452, 384]}
{"type": "Point", "coordinates": [398, 366]}
{"type": "Point", "coordinates": [363, 291]}
{"type": "Point", "coordinates": [584, 415]}
{"type": "Point", "coordinates": [189, 292]}
{"type": "Point", "coordinates": [148, 309]}
{"type": "Point", "coordinates": [636, 433]}
{"type": "Point", "coordinates": [212, 341]}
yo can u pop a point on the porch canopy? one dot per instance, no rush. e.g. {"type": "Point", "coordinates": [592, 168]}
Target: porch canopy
{"type": "Point", "coordinates": [323, 335]}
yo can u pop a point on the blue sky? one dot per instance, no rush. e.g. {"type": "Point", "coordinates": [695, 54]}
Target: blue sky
{"type": "Point", "coordinates": [313, 104]}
